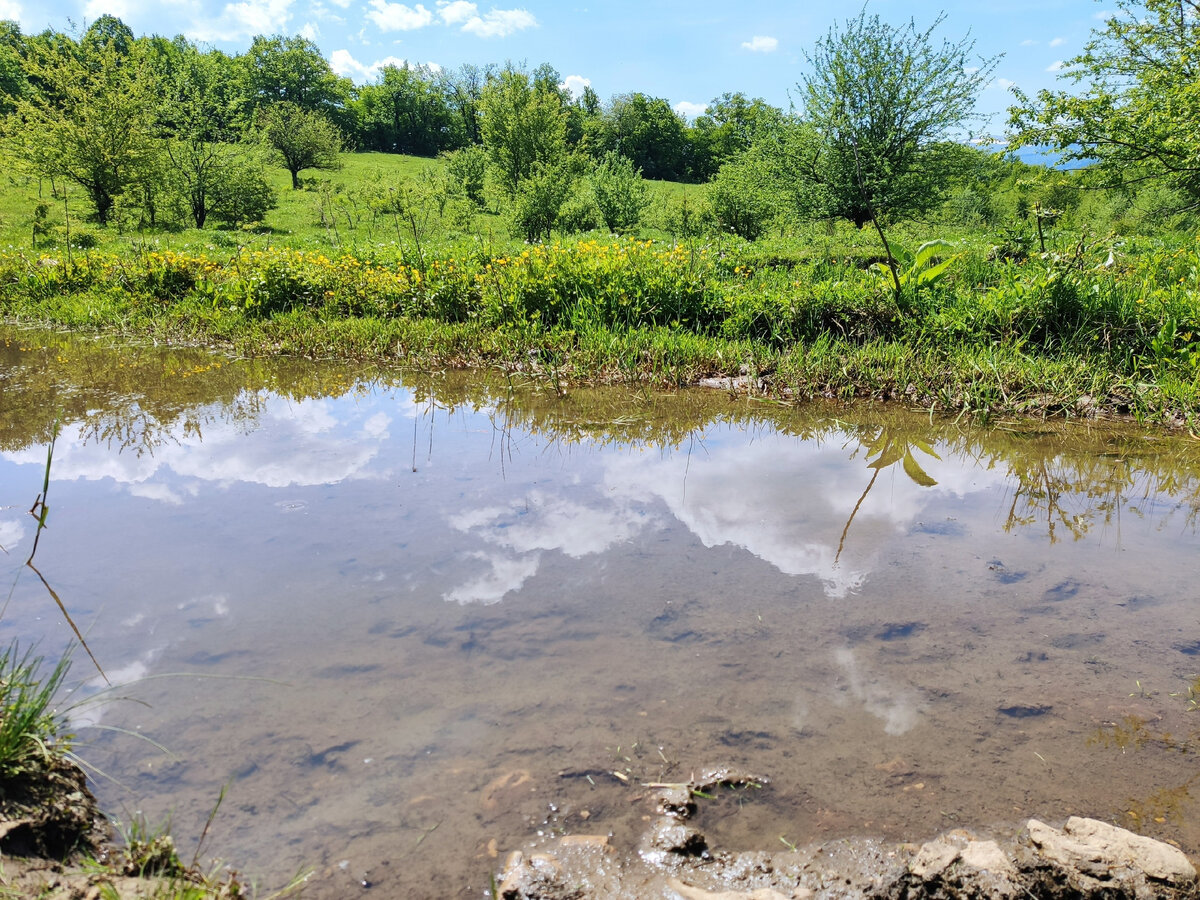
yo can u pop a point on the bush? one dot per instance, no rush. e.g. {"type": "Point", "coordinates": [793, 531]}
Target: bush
{"type": "Point", "coordinates": [620, 191]}
{"type": "Point", "coordinates": [243, 195]}
{"type": "Point", "coordinates": [536, 207]}
{"type": "Point", "coordinates": [580, 212]}
{"type": "Point", "coordinates": [740, 199]}
{"type": "Point", "coordinates": [467, 169]}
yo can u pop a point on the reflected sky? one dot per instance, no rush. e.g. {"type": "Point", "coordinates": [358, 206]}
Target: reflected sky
{"type": "Point", "coordinates": [458, 578]}
{"type": "Point", "coordinates": [809, 507]}
{"type": "Point", "coordinates": [783, 499]}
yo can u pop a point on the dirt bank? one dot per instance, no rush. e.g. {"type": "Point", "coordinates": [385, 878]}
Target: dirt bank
{"type": "Point", "coordinates": [1085, 858]}
{"type": "Point", "coordinates": [57, 845]}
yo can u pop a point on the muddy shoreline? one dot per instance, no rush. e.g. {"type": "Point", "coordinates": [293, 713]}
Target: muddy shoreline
{"type": "Point", "coordinates": [58, 845]}
{"type": "Point", "coordinates": [674, 860]}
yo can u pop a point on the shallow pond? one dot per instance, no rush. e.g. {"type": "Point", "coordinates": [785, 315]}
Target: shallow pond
{"type": "Point", "coordinates": [412, 623]}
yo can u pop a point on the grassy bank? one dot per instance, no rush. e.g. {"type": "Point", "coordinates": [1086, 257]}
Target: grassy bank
{"type": "Point", "coordinates": [53, 837]}
{"type": "Point", "coordinates": [1108, 327]}
{"type": "Point", "coordinates": [1061, 323]}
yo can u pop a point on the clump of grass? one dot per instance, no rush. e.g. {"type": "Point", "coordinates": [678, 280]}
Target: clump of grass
{"type": "Point", "coordinates": [32, 731]}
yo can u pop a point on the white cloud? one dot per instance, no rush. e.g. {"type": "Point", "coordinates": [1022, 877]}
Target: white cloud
{"type": "Point", "coordinates": [500, 23]}
{"type": "Point", "coordinates": [1058, 42]}
{"type": "Point", "coordinates": [401, 17]}
{"type": "Point", "coordinates": [456, 12]}
{"type": "Point", "coordinates": [544, 522]}
{"type": "Point", "coordinates": [970, 70]}
{"type": "Point", "coordinates": [319, 12]}
{"type": "Point", "coordinates": [160, 492]}
{"type": "Point", "coordinates": [322, 449]}
{"type": "Point", "coordinates": [1103, 16]}
{"type": "Point", "coordinates": [760, 497]}
{"type": "Point", "coordinates": [11, 532]}
{"type": "Point", "coordinates": [241, 20]}
{"type": "Point", "coordinates": [690, 110]}
{"type": "Point", "coordinates": [10, 10]}
{"type": "Point", "coordinates": [1029, 42]}
{"type": "Point", "coordinates": [502, 576]}
{"type": "Point", "coordinates": [899, 707]}
{"type": "Point", "coordinates": [539, 523]}
{"type": "Point", "coordinates": [310, 31]}
{"type": "Point", "coordinates": [1004, 84]}
{"type": "Point", "coordinates": [344, 63]}
{"type": "Point", "coordinates": [575, 84]}
{"type": "Point", "coordinates": [1056, 66]}
{"type": "Point", "coordinates": [398, 16]}
{"type": "Point", "coordinates": [761, 44]}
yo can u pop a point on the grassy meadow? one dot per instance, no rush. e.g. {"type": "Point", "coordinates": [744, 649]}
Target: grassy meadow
{"type": "Point", "coordinates": [1098, 314]}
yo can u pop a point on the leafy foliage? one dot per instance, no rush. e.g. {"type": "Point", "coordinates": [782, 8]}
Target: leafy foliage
{"type": "Point", "coordinates": [885, 100]}
{"type": "Point", "coordinates": [302, 139]}
{"type": "Point", "coordinates": [91, 122]}
{"type": "Point", "coordinates": [620, 191]}
{"type": "Point", "coordinates": [742, 198]}
{"type": "Point", "coordinates": [1138, 115]}
{"type": "Point", "coordinates": [524, 128]}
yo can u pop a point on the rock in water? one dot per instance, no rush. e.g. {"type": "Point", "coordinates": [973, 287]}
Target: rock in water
{"type": "Point", "coordinates": [1093, 854]}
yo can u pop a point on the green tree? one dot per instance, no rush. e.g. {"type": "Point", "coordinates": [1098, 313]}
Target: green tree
{"type": "Point", "coordinates": [885, 101]}
{"type": "Point", "coordinates": [1138, 116]}
{"type": "Point", "coordinates": [463, 90]}
{"type": "Point", "coordinates": [407, 111]}
{"type": "Point", "coordinates": [14, 84]}
{"type": "Point", "coordinates": [302, 139]}
{"type": "Point", "coordinates": [203, 150]}
{"type": "Point", "coordinates": [523, 128]}
{"type": "Point", "coordinates": [730, 124]}
{"type": "Point", "coordinates": [90, 121]}
{"type": "Point", "coordinates": [649, 133]}
{"type": "Point", "coordinates": [620, 191]}
{"type": "Point", "coordinates": [282, 69]}
{"type": "Point", "coordinates": [107, 32]}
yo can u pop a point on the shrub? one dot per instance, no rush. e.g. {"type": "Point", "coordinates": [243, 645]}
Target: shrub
{"type": "Point", "coordinates": [739, 199]}
{"type": "Point", "coordinates": [620, 191]}
{"type": "Point", "coordinates": [467, 169]}
{"type": "Point", "coordinates": [242, 195]}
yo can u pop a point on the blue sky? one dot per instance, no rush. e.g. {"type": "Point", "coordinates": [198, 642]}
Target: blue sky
{"type": "Point", "coordinates": [687, 52]}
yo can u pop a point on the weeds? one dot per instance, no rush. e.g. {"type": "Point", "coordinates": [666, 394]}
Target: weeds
{"type": "Point", "coordinates": [31, 730]}
{"type": "Point", "coordinates": [1100, 326]}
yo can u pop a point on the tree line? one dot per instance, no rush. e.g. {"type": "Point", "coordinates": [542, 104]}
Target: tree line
{"type": "Point", "coordinates": [164, 126]}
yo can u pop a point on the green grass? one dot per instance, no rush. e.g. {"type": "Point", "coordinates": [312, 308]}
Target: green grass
{"type": "Point", "coordinates": [1092, 325]}
{"type": "Point", "coordinates": [31, 730]}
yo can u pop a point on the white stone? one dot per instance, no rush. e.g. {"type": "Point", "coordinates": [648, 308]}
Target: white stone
{"type": "Point", "coordinates": [1097, 849]}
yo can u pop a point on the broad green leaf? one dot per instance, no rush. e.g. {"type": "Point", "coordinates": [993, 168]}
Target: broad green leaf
{"type": "Point", "coordinates": [914, 471]}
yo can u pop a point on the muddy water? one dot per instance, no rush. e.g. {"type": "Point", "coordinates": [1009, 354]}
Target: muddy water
{"type": "Point", "coordinates": [412, 623]}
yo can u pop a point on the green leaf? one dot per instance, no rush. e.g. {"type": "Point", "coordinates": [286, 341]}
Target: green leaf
{"type": "Point", "coordinates": [914, 471]}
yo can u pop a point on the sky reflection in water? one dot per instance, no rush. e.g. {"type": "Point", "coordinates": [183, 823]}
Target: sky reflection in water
{"type": "Point", "coordinates": [444, 586]}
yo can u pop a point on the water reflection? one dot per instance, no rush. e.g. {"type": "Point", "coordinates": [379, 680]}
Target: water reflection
{"type": "Point", "coordinates": [192, 415]}
{"type": "Point", "coordinates": [422, 601]}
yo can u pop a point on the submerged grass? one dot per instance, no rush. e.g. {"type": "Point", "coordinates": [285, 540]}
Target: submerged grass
{"type": "Point", "coordinates": [1098, 328]}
